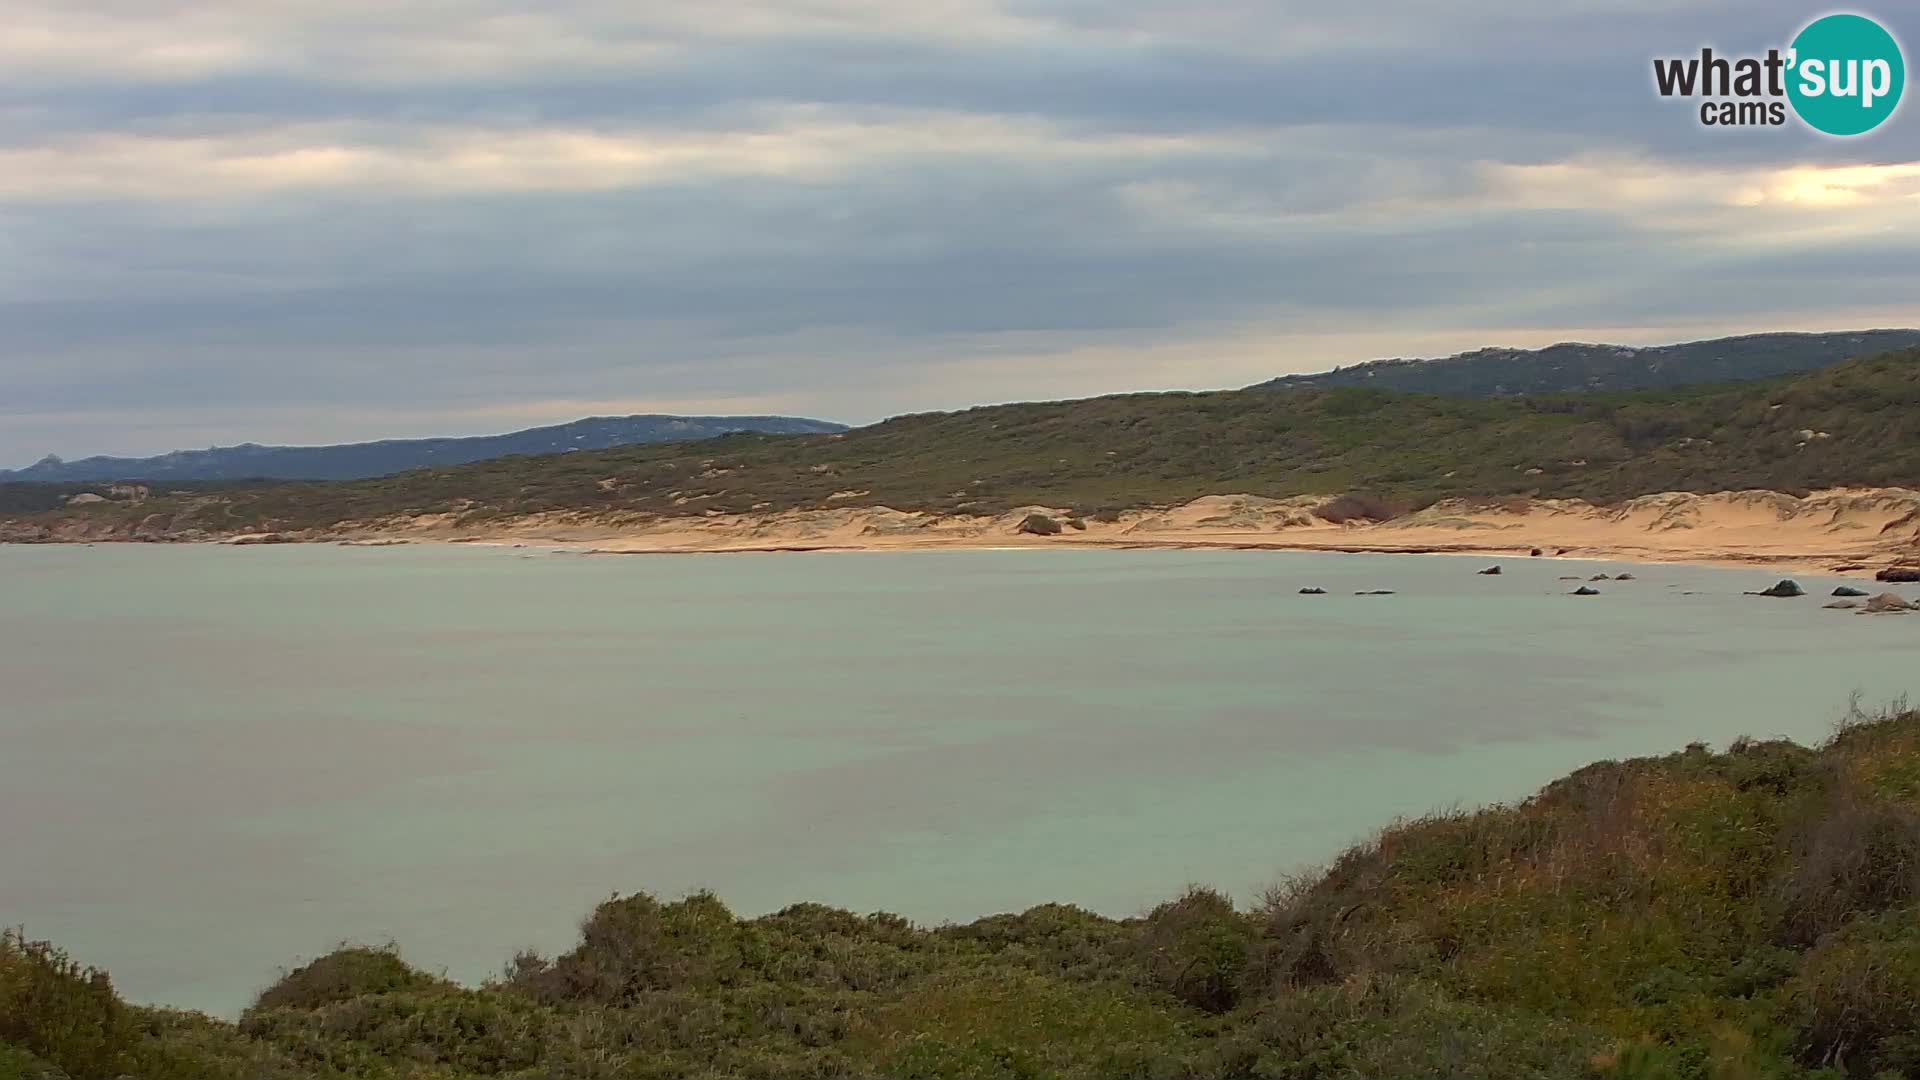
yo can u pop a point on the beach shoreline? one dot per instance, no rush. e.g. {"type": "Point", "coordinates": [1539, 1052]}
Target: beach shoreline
{"type": "Point", "coordinates": [1851, 531]}
{"type": "Point", "coordinates": [1842, 531]}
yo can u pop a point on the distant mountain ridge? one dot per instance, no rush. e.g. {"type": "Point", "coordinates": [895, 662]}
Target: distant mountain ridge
{"type": "Point", "coordinates": [1579, 366]}
{"type": "Point", "coordinates": [357, 461]}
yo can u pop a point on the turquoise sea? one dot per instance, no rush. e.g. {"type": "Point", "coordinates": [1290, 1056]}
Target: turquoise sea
{"type": "Point", "coordinates": [217, 761]}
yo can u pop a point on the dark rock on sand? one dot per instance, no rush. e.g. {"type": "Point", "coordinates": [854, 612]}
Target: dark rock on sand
{"type": "Point", "coordinates": [1038, 525]}
{"type": "Point", "coordinates": [1598, 577]}
{"type": "Point", "coordinates": [1313, 591]}
{"type": "Point", "coordinates": [1623, 577]}
{"type": "Point", "coordinates": [1898, 573]}
{"type": "Point", "coordinates": [1491, 570]}
{"type": "Point", "coordinates": [1848, 590]}
{"type": "Point", "coordinates": [1585, 590]}
{"type": "Point", "coordinates": [1536, 552]}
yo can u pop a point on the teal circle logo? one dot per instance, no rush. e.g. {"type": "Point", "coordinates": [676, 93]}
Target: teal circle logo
{"type": "Point", "coordinates": [1845, 74]}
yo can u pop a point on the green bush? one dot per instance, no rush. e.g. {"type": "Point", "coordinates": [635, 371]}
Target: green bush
{"type": "Point", "coordinates": [1196, 948]}
{"type": "Point", "coordinates": [347, 972]}
{"type": "Point", "coordinates": [1051, 939]}
{"type": "Point", "coordinates": [17, 1064]}
{"type": "Point", "coordinates": [1401, 1029]}
{"type": "Point", "coordinates": [1855, 1004]}
{"type": "Point", "coordinates": [1859, 855]}
{"type": "Point", "coordinates": [55, 1009]}
{"type": "Point", "coordinates": [634, 944]}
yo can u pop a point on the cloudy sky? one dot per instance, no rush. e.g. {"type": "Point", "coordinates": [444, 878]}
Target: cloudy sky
{"type": "Point", "coordinates": [321, 220]}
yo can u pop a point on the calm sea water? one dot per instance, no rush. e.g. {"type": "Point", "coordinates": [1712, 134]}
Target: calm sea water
{"type": "Point", "coordinates": [215, 762]}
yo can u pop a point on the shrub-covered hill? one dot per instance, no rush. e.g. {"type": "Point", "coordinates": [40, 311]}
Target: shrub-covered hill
{"type": "Point", "coordinates": [1854, 424]}
{"type": "Point", "coordinates": [1573, 365]}
{"type": "Point", "coordinates": [1747, 914]}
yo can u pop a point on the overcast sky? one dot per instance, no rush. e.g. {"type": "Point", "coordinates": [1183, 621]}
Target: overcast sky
{"type": "Point", "coordinates": [322, 220]}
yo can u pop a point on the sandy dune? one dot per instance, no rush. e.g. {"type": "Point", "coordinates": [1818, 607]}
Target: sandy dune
{"type": "Point", "coordinates": [1873, 528]}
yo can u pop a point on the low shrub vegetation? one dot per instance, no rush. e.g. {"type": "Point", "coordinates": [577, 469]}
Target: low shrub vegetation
{"type": "Point", "coordinates": [1752, 913]}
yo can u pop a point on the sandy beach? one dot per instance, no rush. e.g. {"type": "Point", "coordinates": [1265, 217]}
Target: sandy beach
{"type": "Point", "coordinates": [1861, 529]}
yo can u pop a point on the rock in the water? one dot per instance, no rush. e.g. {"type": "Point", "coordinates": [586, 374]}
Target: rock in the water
{"type": "Point", "coordinates": [1623, 577]}
{"type": "Point", "coordinates": [1585, 590]}
{"type": "Point", "coordinates": [1570, 577]}
{"type": "Point", "coordinates": [1843, 605]}
{"type": "Point", "coordinates": [1848, 590]}
{"type": "Point", "coordinates": [1784, 588]}
{"type": "Point", "coordinates": [1491, 570]}
{"type": "Point", "coordinates": [1375, 592]}
{"type": "Point", "coordinates": [1898, 573]}
{"type": "Point", "coordinates": [1598, 577]}
{"type": "Point", "coordinates": [1886, 603]}
{"type": "Point", "coordinates": [1313, 591]}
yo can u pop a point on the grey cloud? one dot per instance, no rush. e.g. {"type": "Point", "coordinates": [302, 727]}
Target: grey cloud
{"type": "Point", "coordinates": [1360, 197]}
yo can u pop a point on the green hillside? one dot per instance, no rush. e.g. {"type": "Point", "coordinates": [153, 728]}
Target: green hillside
{"type": "Point", "coordinates": [1701, 916]}
{"type": "Point", "coordinates": [1578, 366]}
{"type": "Point", "coordinates": [1857, 423]}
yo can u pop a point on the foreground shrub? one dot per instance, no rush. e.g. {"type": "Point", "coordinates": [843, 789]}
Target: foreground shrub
{"type": "Point", "coordinates": [1196, 949]}
{"type": "Point", "coordinates": [346, 973]}
{"type": "Point", "coordinates": [472, 1032]}
{"type": "Point", "coordinates": [829, 949]}
{"type": "Point", "coordinates": [17, 1064]}
{"type": "Point", "coordinates": [1856, 1003]}
{"type": "Point", "coordinates": [1386, 1027]}
{"type": "Point", "coordinates": [1318, 929]}
{"type": "Point", "coordinates": [54, 1011]}
{"type": "Point", "coordinates": [634, 944]}
{"type": "Point", "coordinates": [1013, 1024]}
{"type": "Point", "coordinates": [1860, 855]}
{"type": "Point", "coordinates": [1052, 939]}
